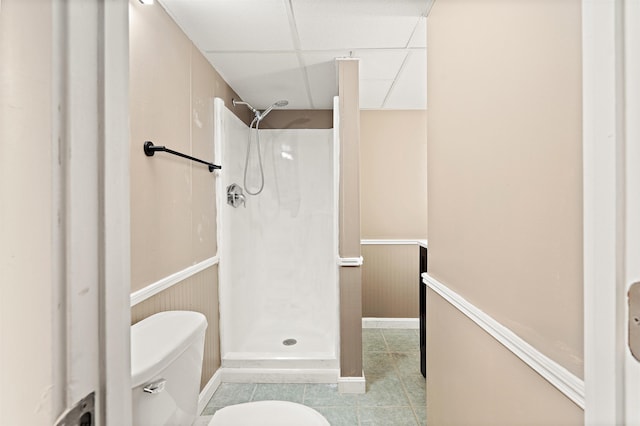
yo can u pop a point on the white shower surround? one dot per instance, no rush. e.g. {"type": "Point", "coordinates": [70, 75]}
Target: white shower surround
{"type": "Point", "coordinates": [278, 269]}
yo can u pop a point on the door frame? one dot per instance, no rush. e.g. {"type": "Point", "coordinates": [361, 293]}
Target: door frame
{"type": "Point", "coordinates": [611, 199]}
{"type": "Point", "coordinates": [91, 215]}
{"type": "Point", "coordinates": [115, 279]}
{"type": "Point", "coordinates": [610, 374]}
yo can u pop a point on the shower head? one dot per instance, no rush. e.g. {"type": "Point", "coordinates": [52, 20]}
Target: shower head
{"type": "Point", "coordinates": [278, 104]}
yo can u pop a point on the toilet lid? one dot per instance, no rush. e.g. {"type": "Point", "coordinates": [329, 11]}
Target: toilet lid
{"type": "Point", "coordinates": [268, 413]}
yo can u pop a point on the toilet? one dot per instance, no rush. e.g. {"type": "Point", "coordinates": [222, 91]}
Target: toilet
{"type": "Point", "coordinates": [166, 362]}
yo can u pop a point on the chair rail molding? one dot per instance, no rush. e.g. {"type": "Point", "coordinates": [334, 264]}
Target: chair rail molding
{"type": "Point", "coordinates": [171, 280]}
{"type": "Point", "coordinates": [561, 378]}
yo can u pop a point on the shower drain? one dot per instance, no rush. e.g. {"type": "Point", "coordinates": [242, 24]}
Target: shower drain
{"type": "Point", "coordinates": [289, 342]}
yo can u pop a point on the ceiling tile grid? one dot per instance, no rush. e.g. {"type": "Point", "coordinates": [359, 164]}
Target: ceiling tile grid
{"type": "Point", "coordinates": [274, 49]}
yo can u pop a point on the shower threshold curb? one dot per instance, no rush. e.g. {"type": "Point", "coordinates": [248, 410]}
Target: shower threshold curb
{"type": "Point", "coordinates": [279, 375]}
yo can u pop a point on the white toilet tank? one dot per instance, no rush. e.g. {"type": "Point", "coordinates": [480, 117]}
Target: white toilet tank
{"type": "Point", "coordinates": [166, 363]}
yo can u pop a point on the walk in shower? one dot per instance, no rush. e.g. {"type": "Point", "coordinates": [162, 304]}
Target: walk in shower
{"type": "Point", "coordinates": [278, 253]}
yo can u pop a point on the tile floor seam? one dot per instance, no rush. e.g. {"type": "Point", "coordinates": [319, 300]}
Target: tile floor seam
{"type": "Point", "coordinates": [386, 344]}
{"type": "Point", "coordinates": [404, 386]}
{"type": "Point", "coordinates": [415, 415]}
{"type": "Point", "coordinates": [304, 393]}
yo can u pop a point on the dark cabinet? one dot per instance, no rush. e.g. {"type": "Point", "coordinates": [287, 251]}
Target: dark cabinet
{"type": "Point", "coordinates": [423, 312]}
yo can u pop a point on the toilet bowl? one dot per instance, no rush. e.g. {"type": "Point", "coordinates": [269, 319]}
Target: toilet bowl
{"type": "Point", "coordinates": [166, 362]}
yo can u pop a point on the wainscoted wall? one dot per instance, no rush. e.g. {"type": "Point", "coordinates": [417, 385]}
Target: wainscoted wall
{"type": "Point", "coordinates": [505, 205]}
{"type": "Point", "coordinates": [471, 370]}
{"type": "Point", "coordinates": [390, 280]}
{"type": "Point", "coordinates": [173, 211]}
{"type": "Point", "coordinates": [197, 293]}
{"type": "Point", "coordinates": [393, 187]}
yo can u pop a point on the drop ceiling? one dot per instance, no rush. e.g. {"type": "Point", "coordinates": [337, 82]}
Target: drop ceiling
{"type": "Point", "coordinates": [286, 49]}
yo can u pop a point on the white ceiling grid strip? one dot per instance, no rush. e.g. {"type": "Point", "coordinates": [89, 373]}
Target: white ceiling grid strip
{"type": "Point", "coordinates": [296, 44]}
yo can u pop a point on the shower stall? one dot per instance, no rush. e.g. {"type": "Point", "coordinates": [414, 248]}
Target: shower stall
{"type": "Point", "coordinates": [279, 299]}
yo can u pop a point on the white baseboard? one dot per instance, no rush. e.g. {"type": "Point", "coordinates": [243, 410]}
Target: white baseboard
{"type": "Point", "coordinates": [565, 381]}
{"type": "Point", "coordinates": [274, 375]}
{"type": "Point", "coordinates": [209, 389]}
{"type": "Point", "coordinates": [391, 323]}
{"type": "Point", "coordinates": [352, 384]}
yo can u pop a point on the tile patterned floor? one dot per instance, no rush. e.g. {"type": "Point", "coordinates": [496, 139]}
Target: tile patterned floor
{"type": "Point", "coordinates": [395, 388]}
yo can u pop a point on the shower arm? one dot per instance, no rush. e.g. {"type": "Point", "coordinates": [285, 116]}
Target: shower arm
{"type": "Point", "coordinates": [150, 149]}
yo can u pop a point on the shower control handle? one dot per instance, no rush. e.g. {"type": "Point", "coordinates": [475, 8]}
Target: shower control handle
{"type": "Point", "coordinates": [235, 197]}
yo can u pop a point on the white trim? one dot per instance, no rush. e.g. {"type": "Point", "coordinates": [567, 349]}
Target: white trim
{"type": "Point", "coordinates": [171, 280]}
{"type": "Point", "coordinates": [603, 224]}
{"type": "Point", "coordinates": [219, 127]}
{"type": "Point", "coordinates": [116, 228]}
{"type": "Point", "coordinates": [350, 261]}
{"type": "Point", "coordinates": [83, 174]}
{"type": "Point", "coordinates": [352, 384]}
{"type": "Point", "coordinates": [336, 214]}
{"type": "Point", "coordinates": [632, 192]}
{"type": "Point", "coordinates": [394, 242]}
{"type": "Point", "coordinates": [279, 375]}
{"type": "Point", "coordinates": [565, 381]}
{"type": "Point", "coordinates": [209, 389]}
{"type": "Point", "coordinates": [413, 323]}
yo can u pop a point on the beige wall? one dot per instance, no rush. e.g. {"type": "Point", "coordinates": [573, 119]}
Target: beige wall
{"type": "Point", "coordinates": [173, 216]}
{"type": "Point", "coordinates": [504, 177]}
{"type": "Point", "coordinates": [26, 228]}
{"type": "Point", "coordinates": [474, 380]}
{"type": "Point", "coordinates": [393, 188]}
{"type": "Point", "coordinates": [172, 199]}
{"type": "Point", "coordinates": [393, 196]}
{"type": "Point", "coordinates": [298, 119]}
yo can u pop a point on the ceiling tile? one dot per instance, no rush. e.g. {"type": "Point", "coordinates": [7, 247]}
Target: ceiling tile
{"type": "Point", "coordinates": [373, 92]}
{"type": "Point", "coordinates": [380, 64]}
{"type": "Point", "coordinates": [263, 78]}
{"type": "Point", "coordinates": [336, 24]}
{"type": "Point", "coordinates": [228, 25]}
{"type": "Point", "coordinates": [323, 78]}
{"type": "Point", "coordinates": [410, 88]}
